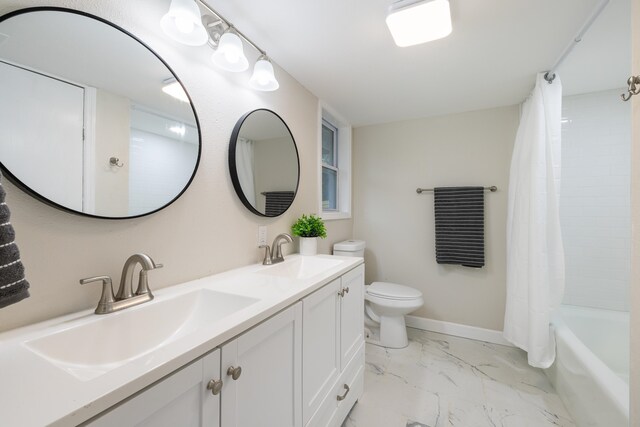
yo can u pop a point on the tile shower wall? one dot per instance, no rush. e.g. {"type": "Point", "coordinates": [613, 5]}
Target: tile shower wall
{"type": "Point", "coordinates": [594, 199]}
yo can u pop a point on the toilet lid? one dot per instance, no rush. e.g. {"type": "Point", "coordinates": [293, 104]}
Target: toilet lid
{"type": "Point", "coordinates": [392, 291]}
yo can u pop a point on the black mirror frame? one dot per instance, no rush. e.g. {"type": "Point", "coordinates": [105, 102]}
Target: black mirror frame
{"type": "Point", "coordinates": [233, 170]}
{"type": "Point", "coordinates": [13, 179]}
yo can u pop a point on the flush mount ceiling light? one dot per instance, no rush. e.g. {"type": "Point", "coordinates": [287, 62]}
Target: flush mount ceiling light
{"type": "Point", "coordinates": [230, 54]}
{"type": "Point", "coordinates": [173, 88]}
{"type": "Point", "coordinates": [263, 77]}
{"type": "Point", "coordinates": [183, 23]}
{"type": "Point", "coordinates": [413, 22]}
{"type": "Point", "coordinates": [184, 18]}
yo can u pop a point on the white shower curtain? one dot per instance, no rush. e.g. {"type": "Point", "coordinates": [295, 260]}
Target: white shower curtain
{"type": "Point", "coordinates": [244, 165]}
{"type": "Point", "coordinates": [535, 256]}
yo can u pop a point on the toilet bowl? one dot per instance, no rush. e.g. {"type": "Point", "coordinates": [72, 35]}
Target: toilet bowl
{"type": "Point", "coordinates": [385, 304]}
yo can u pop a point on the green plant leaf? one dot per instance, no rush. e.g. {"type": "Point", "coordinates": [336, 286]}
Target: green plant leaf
{"type": "Point", "coordinates": [309, 226]}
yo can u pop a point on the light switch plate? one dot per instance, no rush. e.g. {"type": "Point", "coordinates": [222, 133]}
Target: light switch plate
{"type": "Point", "coordinates": [262, 235]}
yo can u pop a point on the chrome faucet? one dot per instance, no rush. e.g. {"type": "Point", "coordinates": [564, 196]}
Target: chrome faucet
{"type": "Point", "coordinates": [273, 258]}
{"type": "Point", "coordinates": [125, 297]}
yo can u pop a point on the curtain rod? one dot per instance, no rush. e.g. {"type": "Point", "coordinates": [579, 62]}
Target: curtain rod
{"type": "Point", "coordinates": [550, 75]}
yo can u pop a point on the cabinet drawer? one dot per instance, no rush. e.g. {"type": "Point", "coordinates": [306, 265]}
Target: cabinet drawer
{"type": "Point", "coordinates": [332, 412]}
{"type": "Point", "coordinates": [354, 379]}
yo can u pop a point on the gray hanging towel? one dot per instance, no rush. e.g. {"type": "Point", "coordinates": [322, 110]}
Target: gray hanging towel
{"type": "Point", "coordinates": [277, 202]}
{"type": "Point", "coordinates": [13, 285]}
{"type": "Point", "coordinates": [459, 214]}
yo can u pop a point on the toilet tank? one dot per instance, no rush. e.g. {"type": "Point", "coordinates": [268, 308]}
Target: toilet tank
{"type": "Point", "coordinates": [349, 248]}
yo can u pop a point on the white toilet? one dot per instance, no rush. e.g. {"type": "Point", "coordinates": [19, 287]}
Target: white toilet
{"type": "Point", "coordinates": [385, 303]}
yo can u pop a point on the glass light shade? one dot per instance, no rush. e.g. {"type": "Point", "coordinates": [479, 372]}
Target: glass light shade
{"type": "Point", "coordinates": [413, 22]}
{"type": "Point", "coordinates": [263, 77]}
{"type": "Point", "coordinates": [175, 90]}
{"type": "Point", "coordinates": [230, 54]}
{"type": "Point", "coordinates": [183, 23]}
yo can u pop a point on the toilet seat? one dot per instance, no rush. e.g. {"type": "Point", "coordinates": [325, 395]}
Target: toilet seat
{"type": "Point", "coordinates": [392, 291]}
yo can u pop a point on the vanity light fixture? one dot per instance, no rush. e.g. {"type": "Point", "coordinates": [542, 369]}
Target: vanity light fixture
{"type": "Point", "coordinates": [173, 88]}
{"type": "Point", "coordinates": [413, 22]}
{"type": "Point", "coordinates": [222, 36]}
{"type": "Point", "coordinates": [230, 54]}
{"type": "Point", "coordinates": [263, 77]}
{"type": "Point", "coordinates": [183, 23]}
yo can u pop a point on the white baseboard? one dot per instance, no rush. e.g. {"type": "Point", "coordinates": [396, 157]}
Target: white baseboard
{"type": "Point", "coordinates": [458, 330]}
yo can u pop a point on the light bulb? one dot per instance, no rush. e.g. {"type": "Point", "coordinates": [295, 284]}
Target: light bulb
{"type": "Point", "coordinates": [230, 54]}
{"type": "Point", "coordinates": [263, 77]}
{"type": "Point", "coordinates": [183, 23]}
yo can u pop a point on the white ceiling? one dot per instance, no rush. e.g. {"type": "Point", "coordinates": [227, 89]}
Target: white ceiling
{"type": "Point", "coordinates": [341, 51]}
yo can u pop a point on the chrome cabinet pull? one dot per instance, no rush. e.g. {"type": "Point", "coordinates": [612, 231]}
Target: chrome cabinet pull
{"type": "Point", "coordinates": [234, 372]}
{"type": "Point", "coordinates": [346, 290]}
{"type": "Point", "coordinates": [343, 291]}
{"type": "Point", "coordinates": [344, 396]}
{"type": "Point", "coordinates": [215, 386]}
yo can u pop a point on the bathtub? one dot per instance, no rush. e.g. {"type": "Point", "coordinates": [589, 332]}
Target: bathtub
{"type": "Point", "coordinates": [591, 370]}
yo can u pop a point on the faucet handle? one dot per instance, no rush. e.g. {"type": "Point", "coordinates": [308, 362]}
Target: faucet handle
{"type": "Point", "coordinates": [267, 254]}
{"type": "Point", "coordinates": [157, 265]}
{"type": "Point", "coordinates": [107, 298]}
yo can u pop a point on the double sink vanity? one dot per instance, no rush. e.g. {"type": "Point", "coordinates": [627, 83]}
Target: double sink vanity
{"type": "Point", "coordinates": [270, 346]}
{"type": "Point", "coordinates": [278, 345]}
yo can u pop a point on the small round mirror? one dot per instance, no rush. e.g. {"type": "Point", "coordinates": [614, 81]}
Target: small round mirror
{"type": "Point", "coordinates": [263, 161]}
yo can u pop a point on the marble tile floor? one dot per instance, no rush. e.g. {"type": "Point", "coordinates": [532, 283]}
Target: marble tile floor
{"type": "Point", "coordinates": [441, 381]}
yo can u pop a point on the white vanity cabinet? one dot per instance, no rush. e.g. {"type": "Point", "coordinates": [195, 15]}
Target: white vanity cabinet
{"type": "Point", "coordinates": [333, 349]}
{"type": "Point", "coordinates": [301, 367]}
{"type": "Point", "coordinates": [267, 390]}
{"type": "Point", "coordinates": [181, 399]}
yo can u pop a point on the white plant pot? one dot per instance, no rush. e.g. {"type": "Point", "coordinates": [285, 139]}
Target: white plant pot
{"type": "Point", "coordinates": [308, 245]}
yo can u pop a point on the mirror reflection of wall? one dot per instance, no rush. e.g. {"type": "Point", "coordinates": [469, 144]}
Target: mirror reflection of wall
{"type": "Point", "coordinates": [78, 93]}
{"type": "Point", "coordinates": [264, 159]}
{"type": "Point", "coordinates": [160, 150]}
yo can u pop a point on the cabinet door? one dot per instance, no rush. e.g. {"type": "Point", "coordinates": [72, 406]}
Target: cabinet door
{"type": "Point", "coordinates": [320, 346]}
{"type": "Point", "coordinates": [181, 399]}
{"type": "Point", "coordinates": [268, 390]}
{"type": "Point", "coordinates": [351, 315]}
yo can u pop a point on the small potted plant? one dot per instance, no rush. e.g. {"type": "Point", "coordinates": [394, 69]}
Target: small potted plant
{"type": "Point", "coordinates": [309, 228]}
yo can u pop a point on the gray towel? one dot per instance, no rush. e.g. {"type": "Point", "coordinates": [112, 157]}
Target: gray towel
{"type": "Point", "coordinates": [459, 213]}
{"type": "Point", "coordinates": [277, 202]}
{"type": "Point", "coordinates": [13, 285]}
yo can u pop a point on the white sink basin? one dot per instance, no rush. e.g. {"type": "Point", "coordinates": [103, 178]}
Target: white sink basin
{"type": "Point", "coordinates": [300, 268]}
{"type": "Point", "coordinates": [107, 342]}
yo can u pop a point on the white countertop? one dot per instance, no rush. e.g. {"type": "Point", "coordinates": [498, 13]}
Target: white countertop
{"type": "Point", "coordinates": [36, 392]}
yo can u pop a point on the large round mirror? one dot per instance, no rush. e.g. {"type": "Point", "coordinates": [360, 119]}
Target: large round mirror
{"type": "Point", "coordinates": [91, 120]}
{"type": "Point", "coordinates": [263, 160]}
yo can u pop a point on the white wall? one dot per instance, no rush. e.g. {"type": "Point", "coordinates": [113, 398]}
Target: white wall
{"type": "Point", "coordinates": [634, 383]}
{"type": "Point", "coordinates": [159, 169]}
{"type": "Point", "coordinates": [390, 162]}
{"type": "Point", "coordinates": [112, 134]}
{"type": "Point", "coordinates": [595, 199]}
{"type": "Point", "coordinates": [207, 230]}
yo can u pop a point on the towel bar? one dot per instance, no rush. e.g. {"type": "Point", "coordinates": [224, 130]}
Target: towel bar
{"type": "Point", "coordinates": [493, 189]}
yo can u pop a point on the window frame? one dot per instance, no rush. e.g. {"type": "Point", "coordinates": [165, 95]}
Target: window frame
{"type": "Point", "coordinates": [342, 154]}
